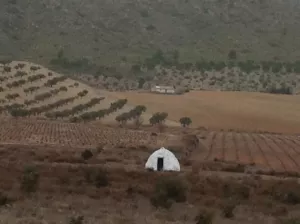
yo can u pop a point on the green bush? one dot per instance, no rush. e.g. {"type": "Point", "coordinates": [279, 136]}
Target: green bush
{"type": "Point", "coordinates": [97, 177]}
{"type": "Point", "coordinates": [76, 220]}
{"type": "Point", "coordinates": [228, 209]}
{"type": "Point", "coordinates": [3, 199]}
{"type": "Point", "coordinates": [290, 221]}
{"type": "Point", "coordinates": [204, 217]}
{"type": "Point", "coordinates": [30, 179]}
{"type": "Point", "coordinates": [101, 178]}
{"type": "Point", "coordinates": [86, 154]}
{"type": "Point", "coordinates": [167, 190]}
{"type": "Point", "coordinates": [291, 198]}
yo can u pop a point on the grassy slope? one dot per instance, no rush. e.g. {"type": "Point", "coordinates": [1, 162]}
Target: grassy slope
{"type": "Point", "coordinates": [109, 30]}
{"type": "Point", "coordinates": [227, 110]}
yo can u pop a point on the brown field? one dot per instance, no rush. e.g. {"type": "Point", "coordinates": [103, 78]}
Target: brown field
{"type": "Point", "coordinates": [55, 148]}
{"type": "Point", "coordinates": [280, 153]}
{"type": "Point", "coordinates": [226, 110]}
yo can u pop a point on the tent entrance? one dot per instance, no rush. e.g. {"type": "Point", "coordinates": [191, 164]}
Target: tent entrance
{"type": "Point", "coordinates": [160, 164]}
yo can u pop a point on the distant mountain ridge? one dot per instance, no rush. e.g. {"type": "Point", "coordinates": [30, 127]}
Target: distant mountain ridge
{"type": "Point", "coordinates": [110, 31]}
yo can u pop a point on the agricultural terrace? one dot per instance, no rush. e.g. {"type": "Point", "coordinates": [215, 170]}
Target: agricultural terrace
{"type": "Point", "coordinates": [30, 90]}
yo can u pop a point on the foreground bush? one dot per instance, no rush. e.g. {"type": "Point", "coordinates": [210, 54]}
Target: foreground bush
{"type": "Point", "coordinates": [167, 190]}
{"type": "Point", "coordinates": [86, 154]}
{"type": "Point", "coordinates": [204, 217]}
{"type": "Point", "coordinates": [30, 179]}
{"type": "Point", "coordinates": [76, 220]}
{"type": "Point", "coordinates": [97, 177]}
{"type": "Point", "coordinates": [228, 209]}
{"type": "Point", "coordinates": [3, 199]}
{"type": "Point", "coordinates": [291, 221]}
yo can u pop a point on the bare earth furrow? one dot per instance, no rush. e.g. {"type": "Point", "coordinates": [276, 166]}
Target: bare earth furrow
{"type": "Point", "coordinates": [265, 161]}
{"type": "Point", "coordinates": [274, 147]}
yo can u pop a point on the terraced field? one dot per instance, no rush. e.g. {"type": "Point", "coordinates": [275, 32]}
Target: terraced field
{"type": "Point", "coordinates": [30, 90]}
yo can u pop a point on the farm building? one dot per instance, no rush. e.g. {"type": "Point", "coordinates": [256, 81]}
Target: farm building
{"type": "Point", "coordinates": [162, 160]}
{"type": "Point", "coordinates": [163, 89]}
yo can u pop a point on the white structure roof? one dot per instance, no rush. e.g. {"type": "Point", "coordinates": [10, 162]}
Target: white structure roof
{"type": "Point", "coordinates": [164, 87]}
{"type": "Point", "coordinates": [170, 162]}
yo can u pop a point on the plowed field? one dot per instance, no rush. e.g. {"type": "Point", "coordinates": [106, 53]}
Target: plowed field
{"type": "Point", "coordinates": [274, 152]}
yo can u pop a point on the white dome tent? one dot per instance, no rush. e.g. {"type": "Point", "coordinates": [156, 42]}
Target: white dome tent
{"type": "Point", "coordinates": [162, 160]}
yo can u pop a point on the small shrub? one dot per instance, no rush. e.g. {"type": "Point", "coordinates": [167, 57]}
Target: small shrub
{"type": "Point", "coordinates": [166, 190]}
{"type": "Point", "coordinates": [101, 179]}
{"type": "Point", "coordinates": [153, 134]}
{"type": "Point", "coordinates": [77, 220]}
{"type": "Point", "coordinates": [232, 55]}
{"type": "Point", "coordinates": [3, 199]}
{"type": "Point", "coordinates": [34, 68]}
{"type": "Point", "coordinates": [204, 217]}
{"type": "Point", "coordinates": [88, 175]}
{"type": "Point", "coordinates": [291, 198]}
{"type": "Point", "coordinates": [243, 192]}
{"type": "Point", "coordinates": [74, 119]}
{"type": "Point", "coordinates": [130, 190]}
{"type": "Point", "coordinates": [97, 177]}
{"type": "Point", "coordinates": [99, 148]}
{"type": "Point", "coordinates": [279, 210]}
{"type": "Point", "coordinates": [29, 180]}
{"type": "Point", "coordinates": [86, 154]}
{"type": "Point", "coordinates": [228, 209]}
{"type": "Point", "coordinates": [290, 221]}
{"type": "Point", "coordinates": [7, 69]}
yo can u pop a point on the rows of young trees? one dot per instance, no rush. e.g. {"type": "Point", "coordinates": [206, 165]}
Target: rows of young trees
{"type": "Point", "coordinates": [74, 110]}
{"type": "Point", "coordinates": [20, 66]}
{"type": "Point", "coordinates": [283, 89]}
{"type": "Point", "coordinates": [133, 114]}
{"type": "Point", "coordinates": [20, 73]}
{"type": "Point", "coordinates": [31, 89]}
{"type": "Point", "coordinates": [13, 106]}
{"type": "Point", "coordinates": [17, 112]}
{"type": "Point", "coordinates": [46, 95]}
{"type": "Point", "coordinates": [36, 77]}
{"type": "Point", "coordinates": [34, 68]}
{"type": "Point", "coordinates": [29, 102]}
{"type": "Point", "coordinates": [171, 59]}
{"type": "Point", "coordinates": [54, 81]}
{"type": "Point", "coordinates": [6, 69]}
{"type": "Point", "coordinates": [82, 93]}
{"type": "Point", "coordinates": [3, 78]}
{"type": "Point", "coordinates": [12, 96]}
{"type": "Point", "coordinates": [158, 118]}
{"type": "Point", "coordinates": [16, 84]}
{"type": "Point", "coordinates": [88, 116]}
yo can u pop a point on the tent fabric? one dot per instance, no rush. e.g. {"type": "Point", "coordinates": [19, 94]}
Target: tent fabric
{"type": "Point", "coordinates": [170, 161]}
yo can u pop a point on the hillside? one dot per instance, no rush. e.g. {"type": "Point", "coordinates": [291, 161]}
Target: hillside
{"type": "Point", "coordinates": [129, 29]}
{"type": "Point", "coordinates": [226, 110]}
{"type": "Point", "coordinates": [124, 45]}
{"type": "Point", "coordinates": [31, 90]}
